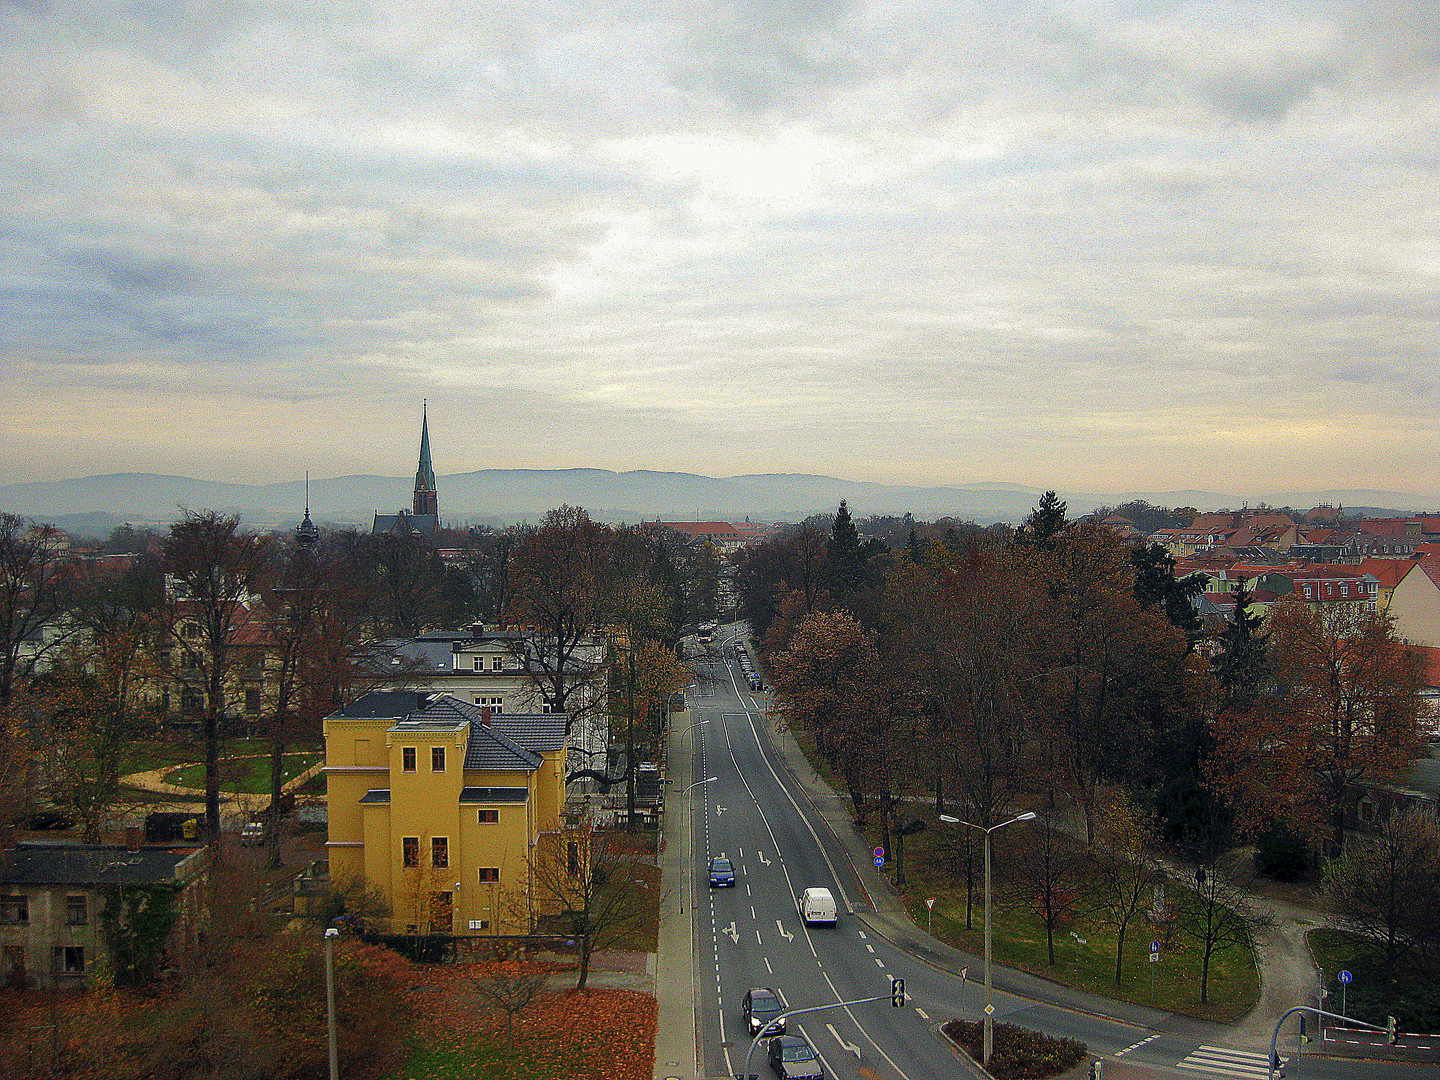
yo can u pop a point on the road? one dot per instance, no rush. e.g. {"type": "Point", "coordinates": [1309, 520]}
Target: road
{"type": "Point", "coordinates": [751, 936]}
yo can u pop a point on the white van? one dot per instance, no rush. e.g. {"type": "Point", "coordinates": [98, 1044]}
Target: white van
{"type": "Point", "coordinates": [817, 906]}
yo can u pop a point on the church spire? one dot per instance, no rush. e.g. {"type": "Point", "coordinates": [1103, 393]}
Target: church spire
{"type": "Point", "coordinates": [426, 501]}
{"type": "Point", "coordinates": [306, 534]}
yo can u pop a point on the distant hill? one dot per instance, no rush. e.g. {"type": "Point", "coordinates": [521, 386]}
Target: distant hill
{"type": "Point", "coordinates": [94, 505]}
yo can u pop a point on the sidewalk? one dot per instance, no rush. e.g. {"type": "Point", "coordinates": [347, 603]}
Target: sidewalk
{"type": "Point", "coordinates": [675, 1042]}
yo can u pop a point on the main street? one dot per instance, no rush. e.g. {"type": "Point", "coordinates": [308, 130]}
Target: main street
{"type": "Point", "coordinates": [751, 935]}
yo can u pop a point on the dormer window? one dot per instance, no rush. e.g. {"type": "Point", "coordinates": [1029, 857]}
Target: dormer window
{"type": "Point", "coordinates": [477, 663]}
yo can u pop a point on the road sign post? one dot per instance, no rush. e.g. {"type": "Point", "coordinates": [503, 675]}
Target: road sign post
{"type": "Point", "coordinates": [1344, 980]}
{"type": "Point", "coordinates": [930, 916]}
{"type": "Point", "coordinates": [1154, 961]}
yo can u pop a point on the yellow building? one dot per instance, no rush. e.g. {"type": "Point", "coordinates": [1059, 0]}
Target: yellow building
{"type": "Point", "coordinates": [440, 805]}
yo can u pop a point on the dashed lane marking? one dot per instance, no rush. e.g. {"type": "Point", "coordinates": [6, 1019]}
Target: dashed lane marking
{"type": "Point", "coordinates": [922, 1013]}
{"type": "Point", "coordinates": [1135, 1046]}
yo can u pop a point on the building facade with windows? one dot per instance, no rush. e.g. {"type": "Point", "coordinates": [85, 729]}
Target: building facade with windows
{"type": "Point", "coordinates": [440, 804]}
{"type": "Point", "coordinates": [52, 895]}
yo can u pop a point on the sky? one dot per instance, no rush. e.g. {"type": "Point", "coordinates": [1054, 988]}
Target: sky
{"type": "Point", "coordinates": [1138, 245]}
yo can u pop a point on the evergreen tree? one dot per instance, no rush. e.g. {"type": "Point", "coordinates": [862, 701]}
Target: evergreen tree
{"type": "Point", "coordinates": [1242, 666]}
{"type": "Point", "coordinates": [845, 557]}
{"type": "Point", "coordinates": [913, 550]}
{"type": "Point", "coordinates": [1155, 583]}
{"type": "Point", "coordinates": [1044, 522]}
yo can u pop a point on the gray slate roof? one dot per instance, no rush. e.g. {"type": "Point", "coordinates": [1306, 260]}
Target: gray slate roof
{"type": "Point", "coordinates": [61, 863]}
{"type": "Point", "coordinates": [509, 741]}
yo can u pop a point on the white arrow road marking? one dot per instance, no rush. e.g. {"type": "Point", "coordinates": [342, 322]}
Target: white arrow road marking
{"type": "Point", "coordinates": [761, 856]}
{"type": "Point", "coordinates": [734, 934]}
{"type": "Point", "coordinates": [849, 1048]}
{"type": "Point", "coordinates": [719, 809]}
{"type": "Point", "coordinates": [781, 927]}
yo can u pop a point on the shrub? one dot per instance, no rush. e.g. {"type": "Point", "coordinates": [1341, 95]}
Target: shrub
{"type": "Point", "coordinates": [1018, 1053]}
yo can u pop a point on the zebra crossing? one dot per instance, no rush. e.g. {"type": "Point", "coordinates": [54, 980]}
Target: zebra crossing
{"type": "Point", "coordinates": [1222, 1061]}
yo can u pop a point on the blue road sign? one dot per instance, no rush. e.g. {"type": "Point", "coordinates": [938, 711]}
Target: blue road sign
{"type": "Point", "coordinates": [1154, 946]}
{"type": "Point", "coordinates": [879, 860]}
{"type": "Point", "coordinates": [1344, 976]}
{"type": "Point", "coordinates": [879, 853]}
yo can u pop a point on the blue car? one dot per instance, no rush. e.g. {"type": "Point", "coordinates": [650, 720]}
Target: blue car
{"type": "Point", "coordinates": [722, 872]}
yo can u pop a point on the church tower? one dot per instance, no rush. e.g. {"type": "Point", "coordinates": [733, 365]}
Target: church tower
{"type": "Point", "coordinates": [426, 499]}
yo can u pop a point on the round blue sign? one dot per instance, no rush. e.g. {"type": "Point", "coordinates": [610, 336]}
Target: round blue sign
{"type": "Point", "coordinates": [879, 853]}
{"type": "Point", "coordinates": [1154, 946]}
{"type": "Point", "coordinates": [879, 860]}
{"type": "Point", "coordinates": [1344, 976]}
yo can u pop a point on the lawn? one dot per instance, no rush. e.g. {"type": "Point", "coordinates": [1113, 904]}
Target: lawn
{"type": "Point", "coordinates": [144, 755]}
{"type": "Point", "coordinates": [244, 774]}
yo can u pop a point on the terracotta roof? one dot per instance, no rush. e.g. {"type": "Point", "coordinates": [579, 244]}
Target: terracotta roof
{"type": "Point", "coordinates": [1388, 572]}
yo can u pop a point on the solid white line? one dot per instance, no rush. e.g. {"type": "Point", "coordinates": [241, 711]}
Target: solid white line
{"type": "Point", "coordinates": [868, 1038]}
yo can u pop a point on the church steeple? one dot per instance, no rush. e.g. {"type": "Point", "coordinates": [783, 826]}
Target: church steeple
{"type": "Point", "coordinates": [306, 534]}
{"type": "Point", "coordinates": [426, 500]}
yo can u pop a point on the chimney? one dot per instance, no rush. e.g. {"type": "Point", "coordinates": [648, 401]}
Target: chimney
{"type": "Point", "coordinates": [477, 629]}
{"type": "Point", "coordinates": [485, 715]}
{"type": "Point", "coordinates": [132, 838]}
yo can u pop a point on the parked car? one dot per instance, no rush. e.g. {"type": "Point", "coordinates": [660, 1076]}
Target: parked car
{"type": "Point", "coordinates": [252, 832]}
{"type": "Point", "coordinates": [722, 872]}
{"type": "Point", "coordinates": [761, 1006]}
{"type": "Point", "coordinates": [792, 1058]}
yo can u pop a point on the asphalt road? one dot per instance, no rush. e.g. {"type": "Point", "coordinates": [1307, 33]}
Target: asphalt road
{"type": "Point", "coordinates": [751, 935]}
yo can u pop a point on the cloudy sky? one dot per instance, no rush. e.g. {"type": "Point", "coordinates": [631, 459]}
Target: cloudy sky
{"type": "Point", "coordinates": [1079, 243]}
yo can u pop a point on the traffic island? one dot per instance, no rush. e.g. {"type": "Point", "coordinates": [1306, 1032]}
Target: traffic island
{"type": "Point", "coordinates": [1018, 1053]}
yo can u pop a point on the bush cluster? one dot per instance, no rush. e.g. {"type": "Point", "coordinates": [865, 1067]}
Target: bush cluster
{"type": "Point", "coordinates": [1018, 1053]}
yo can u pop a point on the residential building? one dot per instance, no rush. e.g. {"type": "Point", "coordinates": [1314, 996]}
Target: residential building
{"type": "Point", "coordinates": [1415, 604]}
{"type": "Point", "coordinates": [52, 895]}
{"type": "Point", "coordinates": [440, 805]}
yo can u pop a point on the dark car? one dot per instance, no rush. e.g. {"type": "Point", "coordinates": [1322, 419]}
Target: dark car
{"type": "Point", "coordinates": [722, 872]}
{"type": "Point", "coordinates": [792, 1058]}
{"type": "Point", "coordinates": [762, 1006]}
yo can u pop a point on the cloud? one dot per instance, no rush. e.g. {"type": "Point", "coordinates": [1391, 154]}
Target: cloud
{"type": "Point", "coordinates": [913, 241]}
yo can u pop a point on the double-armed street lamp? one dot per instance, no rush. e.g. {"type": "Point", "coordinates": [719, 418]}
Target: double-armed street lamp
{"type": "Point", "coordinates": [1028, 815]}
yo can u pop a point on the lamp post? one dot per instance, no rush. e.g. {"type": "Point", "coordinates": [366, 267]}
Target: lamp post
{"type": "Point", "coordinates": [330, 935]}
{"type": "Point", "coordinates": [989, 1024]}
{"type": "Point", "coordinates": [689, 875]}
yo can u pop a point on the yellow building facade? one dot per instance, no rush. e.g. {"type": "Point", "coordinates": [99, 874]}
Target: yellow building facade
{"type": "Point", "coordinates": [440, 804]}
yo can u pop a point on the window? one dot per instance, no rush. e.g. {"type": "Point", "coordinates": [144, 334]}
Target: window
{"type": "Point", "coordinates": [410, 850]}
{"type": "Point", "coordinates": [407, 758]}
{"type": "Point", "coordinates": [489, 875]}
{"type": "Point", "coordinates": [69, 960]}
{"type": "Point", "coordinates": [546, 708]}
{"type": "Point", "coordinates": [478, 663]}
{"type": "Point", "coordinates": [1309, 592]}
{"type": "Point", "coordinates": [440, 852]}
{"type": "Point", "coordinates": [494, 704]}
{"type": "Point", "coordinates": [77, 911]}
{"type": "Point", "coordinates": [497, 663]}
{"type": "Point", "coordinates": [489, 817]}
{"type": "Point", "coordinates": [437, 759]}
{"type": "Point", "coordinates": [14, 910]}
{"type": "Point", "coordinates": [572, 858]}
{"type": "Point", "coordinates": [252, 699]}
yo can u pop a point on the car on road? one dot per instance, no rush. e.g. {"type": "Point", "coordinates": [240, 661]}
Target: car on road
{"type": "Point", "coordinates": [722, 872]}
{"type": "Point", "coordinates": [792, 1058]}
{"type": "Point", "coordinates": [817, 906]}
{"type": "Point", "coordinates": [761, 1006]}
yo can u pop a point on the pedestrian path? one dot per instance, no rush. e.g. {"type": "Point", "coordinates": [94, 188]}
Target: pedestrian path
{"type": "Point", "coordinates": [1222, 1061]}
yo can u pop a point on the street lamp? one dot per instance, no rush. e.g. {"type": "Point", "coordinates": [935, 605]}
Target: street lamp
{"type": "Point", "coordinates": [330, 935]}
{"type": "Point", "coordinates": [683, 795]}
{"type": "Point", "coordinates": [989, 1023]}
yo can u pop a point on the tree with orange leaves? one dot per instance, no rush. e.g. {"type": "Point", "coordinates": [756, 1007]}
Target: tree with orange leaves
{"type": "Point", "coordinates": [1343, 710]}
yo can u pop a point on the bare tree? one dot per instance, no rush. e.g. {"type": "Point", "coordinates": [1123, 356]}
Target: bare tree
{"type": "Point", "coordinates": [30, 597]}
{"type": "Point", "coordinates": [510, 986]}
{"type": "Point", "coordinates": [1217, 915]}
{"type": "Point", "coordinates": [214, 575]}
{"type": "Point", "coordinates": [1045, 876]}
{"type": "Point", "coordinates": [584, 887]}
{"type": "Point", "coordinates": [1121, 876]}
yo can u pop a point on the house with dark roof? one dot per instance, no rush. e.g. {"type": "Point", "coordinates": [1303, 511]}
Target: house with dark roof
{"type": "Point", "coordinates": [52, 894]}
{"type": "Point", "coordinates": [439, 804]}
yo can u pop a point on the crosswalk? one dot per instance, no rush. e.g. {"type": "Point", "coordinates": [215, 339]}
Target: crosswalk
{"type": "Point", "coordinates": [1222, 1061]}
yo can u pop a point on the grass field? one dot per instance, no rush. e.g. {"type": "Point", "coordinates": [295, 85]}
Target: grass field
{"type": "Point", "coordinates": [248, 774]}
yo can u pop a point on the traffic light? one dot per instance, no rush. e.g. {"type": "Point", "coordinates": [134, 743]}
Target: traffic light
{"type": "Point", "coordinates": [1275, 1069]}
{"type": "Point", "coordinates": [897, 992]}
{"type": "Point", "coordinates": [1303, 1036]}
{"type": "Point", "coordinates": [1095, 1070]}
{"type": "Point", "coordinates": [1391, 1035]}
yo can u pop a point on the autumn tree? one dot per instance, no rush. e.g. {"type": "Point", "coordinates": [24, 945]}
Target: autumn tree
{"type": "Point", "coordinates": [214, 573]}
{"type": "Point", "coordinates": [1045, 876]}
{"type": "Point", "coordinates": [1345, 712]}
{"type": "Point", "coordinates": [767, 573]}
{"type": "Point", "coordinates": [556, 589]}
